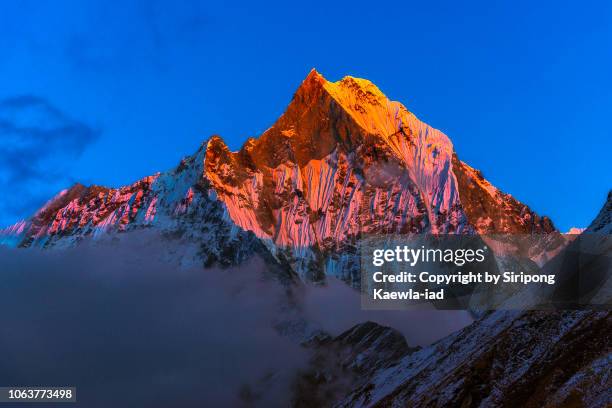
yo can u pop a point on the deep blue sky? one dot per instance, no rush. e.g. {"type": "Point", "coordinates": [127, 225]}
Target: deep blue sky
{"type": "Point", "coordinates": [524, 90]}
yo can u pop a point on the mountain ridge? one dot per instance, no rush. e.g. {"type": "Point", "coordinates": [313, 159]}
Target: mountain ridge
{"type": "Point", "coordinates": [341, 161]}
{"type": "Point", "coordinates": [532, 358]}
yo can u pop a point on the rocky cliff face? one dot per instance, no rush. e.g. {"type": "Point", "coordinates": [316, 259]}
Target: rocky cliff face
{"type": "Point", "coordinates": [343, 160]}
{"type": "Point", "coordinates": [504, 359]}
{"type": "Point", "coordinates": [533, 359]}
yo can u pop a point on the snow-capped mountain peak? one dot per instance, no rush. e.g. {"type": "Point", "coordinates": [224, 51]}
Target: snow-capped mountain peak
{"type": "Point", "coordinates": [342, 160]}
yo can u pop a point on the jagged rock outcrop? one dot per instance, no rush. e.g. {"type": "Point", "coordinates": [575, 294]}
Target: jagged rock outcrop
{"type": "Point", "coordinates": [339, 364]}
{"type": "Point", "coordinates": [602, 224]}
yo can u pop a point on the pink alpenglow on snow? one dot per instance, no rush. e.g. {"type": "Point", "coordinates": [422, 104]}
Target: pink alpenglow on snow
{"type": "Point", "coordinates": [342, 160]}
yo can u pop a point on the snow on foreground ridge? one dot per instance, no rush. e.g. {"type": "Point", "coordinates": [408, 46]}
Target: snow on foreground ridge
{"type": "Point", "coordinates": [507, 358]}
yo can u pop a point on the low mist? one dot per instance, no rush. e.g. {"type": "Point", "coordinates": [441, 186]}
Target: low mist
{"type": "Point", "coordinates": [128, 326]}
{"type": "Point", "coordinates": [336, 307]}
{"type": "Point", "coordinates": [128, 329]}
